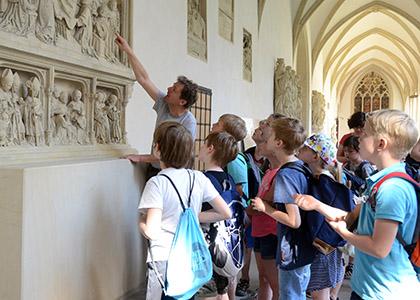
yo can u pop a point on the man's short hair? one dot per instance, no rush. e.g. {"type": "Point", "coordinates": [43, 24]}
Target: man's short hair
{"type": "Point", "coordinates": [189, 92]}
{"type": "Point", "coordinates": [352, 142]}
{"type": "Point", "coordinates": [291, 132]}
{"type": "Point", "coordinates": [225, 148]}
{"type": "Point", "coordinates": [276, 116]}
{"type": "Point", "coordinates": [234, 125]}
{"type": "Point", "coordinates": [357, 119]}
{"type": "Point", "coordinates": [175, 144]}
{"type": "Point", "coordinates": [397, 127]}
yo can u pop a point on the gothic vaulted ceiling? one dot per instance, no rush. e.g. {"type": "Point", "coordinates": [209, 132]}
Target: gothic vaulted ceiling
{"type": "Point", "coordinates": [353, 37]}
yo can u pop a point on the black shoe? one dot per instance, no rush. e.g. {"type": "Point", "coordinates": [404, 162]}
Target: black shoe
{"type": "Point", "coordinates": [242, 287]}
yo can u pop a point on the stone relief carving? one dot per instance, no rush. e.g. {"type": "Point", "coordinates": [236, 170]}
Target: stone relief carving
{"type": "Point", "coordinates": [55, 101]}
{"type": "Point", "coordinates": [196, 29]}
{"type": "Point", "coordinates": [87, 26]}
{"type": "Point", "coordinates": [24, 113]}
{"type": "Point", "coordinates": [287, 91]}
{"type": "Point", "coordinates": [247, 56]}
{"type": "Point", "coordinates": [318, 111]}
{"type": "Point", "coordinates": [33, 113]}
{"type": "Point", "coordinates": [226, 19]}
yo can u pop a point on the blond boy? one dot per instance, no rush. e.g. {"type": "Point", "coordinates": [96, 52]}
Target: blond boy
{"type": "Point", "coordinates": [294, 252]}
{"type": "Point", "coordinates": [382, 267]}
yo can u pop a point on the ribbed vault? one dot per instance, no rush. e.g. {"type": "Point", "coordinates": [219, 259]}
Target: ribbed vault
{"type": "Point", "coordinates": [351, 38]}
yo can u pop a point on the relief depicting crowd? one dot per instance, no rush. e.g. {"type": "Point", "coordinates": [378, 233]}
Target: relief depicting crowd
{"type": "Point", "coordinates": [23, 115]}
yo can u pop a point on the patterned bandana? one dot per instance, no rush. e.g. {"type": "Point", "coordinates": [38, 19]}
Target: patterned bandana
{"type": "Point", "coordinates": [323, 146]}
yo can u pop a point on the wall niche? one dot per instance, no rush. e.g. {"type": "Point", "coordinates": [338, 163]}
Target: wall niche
{"type": "Point", "coordinates": [64, 85]}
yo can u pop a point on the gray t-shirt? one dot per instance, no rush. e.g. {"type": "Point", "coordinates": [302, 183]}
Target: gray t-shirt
{"type": "Point", "coordinates": [163, 115]}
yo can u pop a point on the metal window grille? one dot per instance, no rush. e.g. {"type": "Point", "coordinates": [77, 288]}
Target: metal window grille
{"type": "Point", "coordinates": [202, 112]}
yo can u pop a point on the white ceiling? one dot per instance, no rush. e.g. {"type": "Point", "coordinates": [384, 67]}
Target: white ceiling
{"type": "Point", "coordinates": [352, 37]}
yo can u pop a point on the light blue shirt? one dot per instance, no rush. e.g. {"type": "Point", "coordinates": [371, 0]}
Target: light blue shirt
{"type": "Point", "coordinates": [239, 171]}
{"type": "Point", "coordinates": [392, 277]}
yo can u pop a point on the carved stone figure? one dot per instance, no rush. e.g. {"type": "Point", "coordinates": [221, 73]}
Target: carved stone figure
{"type": "Point", "coordinates": [101, 123]}
{"type": "Point", "coordinates": [114, 116]}
{"type": "Point", "coordinates": [84, 27]}
{"type": "Point", "coordinates": [196, 31]}
{"type": "Point", "coordinates": [114, 26]}
{"type": "Point", "coordinates": [33, 114]}
{"type": "Point", "coordinates": [247, 56]}
{"type": "Point", "coordinates": [15, 18]}
{"type": "Point", "coordinates": [6, 83]}
{"type": "Point", "coordinates": [45, 27]}
{"type": "Point", "coordinates": [17, 127]}
{"type": "Point", "coordinates": [318, 111]}
{"type": "Point", "coordinates": [196, 24]}
{"type": "Point", "coordinates": [78, 116]}
{"type": "Point", "coordinates": [101, 32]}
{"type": "Point", "coordinates": [64, 131]}
{"type": "Point", "coordinates": [287, 93]}
{"type": "Point", "coordinates": [65, 12]}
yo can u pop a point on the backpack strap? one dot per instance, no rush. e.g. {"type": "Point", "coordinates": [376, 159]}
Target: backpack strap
{"type": "Point", "coordinates": [375, 189]}
{"type": "Point", "coordinates": [179, 196]}
{"type": "Point", "coordinates": [219, 187]}
{"type": "Point", "coordinates": [154, 267]}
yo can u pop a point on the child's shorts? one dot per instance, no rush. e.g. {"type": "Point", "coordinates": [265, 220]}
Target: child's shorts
{"type": "Point", "coordinates": [218, 285]}
{"type": "Point", "coordinates": [266, 246]}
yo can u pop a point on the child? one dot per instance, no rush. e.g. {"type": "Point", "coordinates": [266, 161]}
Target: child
{"type": "Point", "coordinates": [357, 123]}
{"type": "Point", "coordinates": [294, 251]}
{"type": "Point", "coordinates": [159, 204]}
{"type": "Point", "coordinates": [264, 229]}
{"type": "Point", "coordinates": [382, 267]}
{"type": "Point", "coordinates": [259, 165]}
{"type": "Point", "coordinates": [235, 126]}
{"type": "Point", "coordinates": [361, 168]}
{"type": "Point", "coordinates": [412, 162]}
{"type": "Point", "coordinates": [320, 153]}
{"type": "Point", "coordinates": [220, 148]}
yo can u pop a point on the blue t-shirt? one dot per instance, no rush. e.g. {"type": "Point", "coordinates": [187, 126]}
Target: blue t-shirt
{"type": "Point", "coordinates": [292, 255]}
{"type": "Point", "coordinates": [392, 277]}
{"type": "Point", "coordinates": [239, 172]}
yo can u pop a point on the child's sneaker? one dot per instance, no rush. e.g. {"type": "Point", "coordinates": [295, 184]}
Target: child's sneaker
{"type": "Point", "coordinates": [349, 271]}
{"type": "Point", "coordinates": [242, 287]}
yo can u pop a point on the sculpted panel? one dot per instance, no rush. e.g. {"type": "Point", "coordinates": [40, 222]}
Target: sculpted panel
{"type": "Point", "coordinates": [85, 26]}
{"type": "Point", "coordinates": [318, 111]}
{"type": "Point", "coordinates": [197, 29]}
{"type": "Point", "coordinates": [226, 19]}
{"type": "Point", "coordinates": [247, 56]}
{"type": "Point", "coordinates": [64, 85]}
{"type": "Point", "coordinates": [287, 91]}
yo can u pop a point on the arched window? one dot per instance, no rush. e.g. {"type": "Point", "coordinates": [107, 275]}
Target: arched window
{"type": "Point", "coordinates": [371, 94]}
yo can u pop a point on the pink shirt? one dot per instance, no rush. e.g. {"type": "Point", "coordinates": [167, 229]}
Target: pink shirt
{"type": "Point", "coordinates": [263, 225]}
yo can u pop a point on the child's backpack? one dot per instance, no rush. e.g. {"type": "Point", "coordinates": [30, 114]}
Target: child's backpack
{"type": "Point", "coordinates": [412, 249]}
{"type": "Point", "coordinates": [254, 175]}
{"type": "Point", "coordinates": [189, 265]}
{"type": "Point", "coordinates": [357, 184]}
{"type": "Point", "coordinates": [226, 243]}
{"type": "Point", "coordinates": [332, 193]}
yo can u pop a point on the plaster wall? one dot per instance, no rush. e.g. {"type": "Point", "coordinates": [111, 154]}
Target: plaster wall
{"type": "Point", "coordinates": [69, 231]}
{"type": "Point", "coordinates": [159, 40]}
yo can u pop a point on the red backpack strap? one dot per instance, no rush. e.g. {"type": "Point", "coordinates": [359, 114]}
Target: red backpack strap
{"type": "Point", "coordinates": [372, 200]}
{"type": "Point", "coordinates": [375, 189]}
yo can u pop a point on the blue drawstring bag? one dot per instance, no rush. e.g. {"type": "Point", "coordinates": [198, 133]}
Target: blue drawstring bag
{"type": "Point", "coordinates": [189, 265]}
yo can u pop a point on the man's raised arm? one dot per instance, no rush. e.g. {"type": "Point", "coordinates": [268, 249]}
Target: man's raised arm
{"type": "Point", "coordinates": [140, 72]}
